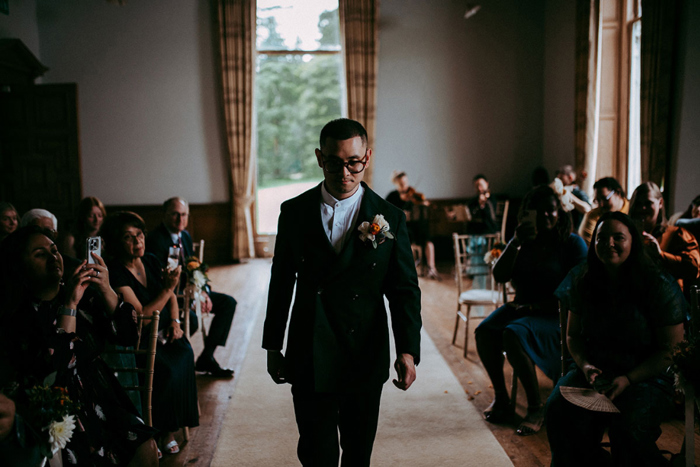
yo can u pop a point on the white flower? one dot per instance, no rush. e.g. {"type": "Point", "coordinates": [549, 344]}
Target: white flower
{"type": "Point", "coordinates": [199, 279]}
{"type": "Point", "coordinates": [378, 227]}
{"type": "Point", "coordinates": [131, 436]}
{"type": "Point", "coordinates": [61, 432]}
{"type": "Point", "coordinates": [71, 457]}
{"type": "Point", "coordinates": [101, 452]}
{"type": "Point", "coordinates": [381, 222]}
{"type": "Point", "coordinates": [564, 195]}
{"type": "Point", "coordinates": [99, 412]}
{"type": "Point", "coordinates": [488, 257]}
{"type": "Point", "coordinates": [364, 232]}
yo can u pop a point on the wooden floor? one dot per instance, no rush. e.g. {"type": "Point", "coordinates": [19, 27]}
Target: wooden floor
{"type": "Point", "coordinates": [248, 284]}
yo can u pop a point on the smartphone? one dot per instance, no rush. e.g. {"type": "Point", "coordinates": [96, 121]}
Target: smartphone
{"type": "Point", "coordinates": [173, 257]}
{"type": "Point", "coordinates": [93, 245]}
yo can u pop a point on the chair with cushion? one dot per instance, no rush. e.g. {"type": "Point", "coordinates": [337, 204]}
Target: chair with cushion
{"type": "Point", "coordinates": [469, 253]}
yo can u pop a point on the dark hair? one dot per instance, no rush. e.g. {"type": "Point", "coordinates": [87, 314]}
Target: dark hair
{"type": "Point", "coordinates": [168, 202]}
{"type": "Point", "coordinates": [342, 129]}
{"type": "Point", "coordinates": [84, 209]}
{"type": "Point", "coordinates": [643, 190]}
{"type": "Point", "coordinates": [564, 225]}
{"type": "Point", "coordinates": [5, 206]}
{"type": "Point", "coordinates": [479, 177]}
{"type": "Point", "coordinates": [636, 271]}
{"type": "Point", "coordinates": [12, 249]}
{"type": "Point", "coordinates": [113, 227]}
{"type": "Point", "coordinates": [540, 176]}
{"type": "Point", "coordinates": [688, 214]}
{"type": "Point", "coordinates": [611, 184]}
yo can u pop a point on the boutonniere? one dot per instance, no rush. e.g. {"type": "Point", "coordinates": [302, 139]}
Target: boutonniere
{"type": "Point", "coordinates": [378, 229]}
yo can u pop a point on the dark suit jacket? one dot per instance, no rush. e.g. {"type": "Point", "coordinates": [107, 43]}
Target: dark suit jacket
{"type": "Point", "coordinates": [159, 241]}
{"type": "Point", "coordinates": [338, 338]}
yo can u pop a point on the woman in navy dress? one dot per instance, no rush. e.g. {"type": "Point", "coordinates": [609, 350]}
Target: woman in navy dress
{"type": "Point", "coordinates": [140, 278]}
{"type": "Point", "coordinates": [536, 260]}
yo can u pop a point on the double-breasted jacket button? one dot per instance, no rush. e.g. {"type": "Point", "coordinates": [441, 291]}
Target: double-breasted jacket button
{"type": "Point", "coordinates": [351, 330]}
{"type": "Point", "coordinates": [302, 259]}
{"type": "Point", "coordinates": [355, 296]}
{"type": "Point", "coordinates": [374, 265]}
{"type": "Point", "coordinates": [320, 290]}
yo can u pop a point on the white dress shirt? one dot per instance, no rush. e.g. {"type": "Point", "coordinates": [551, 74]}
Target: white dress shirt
{"type": "Point", "coordinates": [339, 216]}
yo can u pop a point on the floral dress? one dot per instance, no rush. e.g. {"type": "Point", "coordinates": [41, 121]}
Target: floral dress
{"type": "Point", "coordinates": [32, 351]}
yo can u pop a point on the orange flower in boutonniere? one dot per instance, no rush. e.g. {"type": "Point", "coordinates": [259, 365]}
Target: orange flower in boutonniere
{"type": "Point", "coordinates": [378, 229]}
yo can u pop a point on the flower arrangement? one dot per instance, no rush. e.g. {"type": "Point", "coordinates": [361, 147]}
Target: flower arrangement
{"type": "Point", "coordinates": [564, 195]}
{"type": "Point", "coordinates": [686, 361]}
{"type": "Point", "coordinates": [197, 272]}
{"type": "Point", "coordinates": [378, 229]}
{"type": "Point", "coordinates": [495, 253]}
{"type": "Point", "coordinates": [50, 409]}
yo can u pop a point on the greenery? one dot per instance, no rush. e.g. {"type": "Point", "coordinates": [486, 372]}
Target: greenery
{"type": "Point", "coordinates": [295, 96]}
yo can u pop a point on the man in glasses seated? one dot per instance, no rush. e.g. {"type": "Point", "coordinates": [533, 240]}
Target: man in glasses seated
{"type": "Point", "coordinates": [345, 249]}
{"type": "Point", "coordinates": [609, 196]}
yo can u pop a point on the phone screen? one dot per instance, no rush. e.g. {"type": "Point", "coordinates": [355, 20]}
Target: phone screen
{"type": "Point", "coordinates": [93, 245]}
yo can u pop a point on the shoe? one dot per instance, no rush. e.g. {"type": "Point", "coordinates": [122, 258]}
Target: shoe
{"type": "Point", "coordinates": [498, 412]}
{"type": "Point", "coordinates": [532, 423]}
{"type": "Point", "coordinates": [433, 274]}
{"type": "Point", "coordinates": [209, 365]}
{"type": "Point", "coordinates": [171, 447]}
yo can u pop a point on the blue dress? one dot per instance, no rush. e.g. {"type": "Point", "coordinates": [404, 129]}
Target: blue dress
{"type": "Point", "coordinates": [537, 272]}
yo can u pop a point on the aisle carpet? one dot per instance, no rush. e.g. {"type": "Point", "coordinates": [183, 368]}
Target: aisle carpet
{"type": "Point", "coordinates": [431, 424]}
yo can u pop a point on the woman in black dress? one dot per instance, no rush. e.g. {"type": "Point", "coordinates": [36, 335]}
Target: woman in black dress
{"type": "Point", "coordinates": [58, 331]}
{"type": "Point", "coordinates": [140, 278]}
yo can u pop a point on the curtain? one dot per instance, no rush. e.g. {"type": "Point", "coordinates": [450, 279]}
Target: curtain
{"type": "Point", "coordinates": [587, 106]}
{"type": "Point", "coordinates": [359, 26]}
{"type": "Point", "coordinates": [659, 22]}
{"type": "Point", "coordinates": [236, 27]}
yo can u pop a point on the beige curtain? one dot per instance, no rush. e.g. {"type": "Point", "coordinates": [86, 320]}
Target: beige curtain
{"type": "Point", "coordinates": [236, 21]}
{"type": "Point", "coordinates": [588, 42]}
{"type": "Point", "coordinates": [359, 26]}
{"type": "Point", "coordinates": [659, 23]}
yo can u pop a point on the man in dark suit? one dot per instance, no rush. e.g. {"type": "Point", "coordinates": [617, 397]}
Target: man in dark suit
{"type": "Point", "coordinates": [171, 232]}
{"type": "Point", "coordinates": [344, 258]}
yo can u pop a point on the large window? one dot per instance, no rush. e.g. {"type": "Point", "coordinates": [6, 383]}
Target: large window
{"type": "Point", "coordinates": [299, 86]}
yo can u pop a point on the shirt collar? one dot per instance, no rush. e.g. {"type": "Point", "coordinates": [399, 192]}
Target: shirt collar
{"type": "Point", "coordinates": [330, 200]}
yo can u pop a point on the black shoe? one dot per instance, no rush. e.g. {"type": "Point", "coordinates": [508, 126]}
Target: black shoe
{"type": "Point", "coordinates": [210, 366]}
{"type": "Point", "coordinates": [498, 413]}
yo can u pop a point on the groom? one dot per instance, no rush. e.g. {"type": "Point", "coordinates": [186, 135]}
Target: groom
{"type": "Point", "coordinates": [343, 260]}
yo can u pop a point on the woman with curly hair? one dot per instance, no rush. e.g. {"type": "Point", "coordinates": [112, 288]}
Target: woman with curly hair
{"type": "Point", "coordinates": [536, 260]}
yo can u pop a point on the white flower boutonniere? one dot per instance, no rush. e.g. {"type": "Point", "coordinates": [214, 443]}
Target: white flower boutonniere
{"type": "Point", "coordinates": [377, 230]}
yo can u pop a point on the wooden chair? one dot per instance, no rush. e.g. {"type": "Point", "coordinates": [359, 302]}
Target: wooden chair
{"type": "Point", "coordinates": [145, 386]}
{"type": "Point", "coordinates": [188, 298]}
{"type": "Point", "coordinates": [466, 250]}
{"type": "Point", "coordinates": [502, 213]}
{"type": "Point", "coordinates": [199, 249]}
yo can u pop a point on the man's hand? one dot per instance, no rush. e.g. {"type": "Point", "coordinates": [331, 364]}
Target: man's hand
{"type": "Point", "coordinates": [275, 366]}
{"type": "Point", "coordinates": [7, 416]}
{"type": "Point", "coordinates": [207, 305]}
{"type": "Point", "coordinates": [405, 370]}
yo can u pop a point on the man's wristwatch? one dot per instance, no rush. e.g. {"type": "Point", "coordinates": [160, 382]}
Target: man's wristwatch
{"type": "Point", "coordinates": [176, 320]}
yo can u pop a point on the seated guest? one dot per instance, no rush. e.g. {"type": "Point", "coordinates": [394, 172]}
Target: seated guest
{"type": "Point", "coordinates": [582, 204]}
{"type": "Point", "coordinates": [689, 219]}
{"type": "Point", "coordinates": [141, 280]}
{"type": "Point", "coordinates": [52, 328]}
{"type": "Point", "coordinates": [482, 212]}
{"type": "Point", "coordinates": [625, 316]}
{"type": "Point", "coordinates": [171, 232]}
{"type": "Point", "coordinates": [40, 217]}
{"type": "Point", "coordinates": [609, 196]}
{"type": "Point", "coordinates": [9, 219]}
{"type": "Point", "coordinates": [536, 260]}
{"type": "Point", "coordinates": [413, 203]}
{"type": "Point", "coordinates": [673, 247]}
{"type": "Point", "coordinates": [88, 220]}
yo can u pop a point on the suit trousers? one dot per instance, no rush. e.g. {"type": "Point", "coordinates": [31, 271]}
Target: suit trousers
{"type": "Point", "coordinates": [320, 416]}
{"type": "Point", "coordinates": [223, 309]}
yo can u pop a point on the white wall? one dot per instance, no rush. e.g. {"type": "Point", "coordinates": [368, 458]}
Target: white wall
{"type": "Point", "coordinates": [146, 92]}
{"type": "Point", "coordinates": [457, 97]}
{"type": "Point", "coordinates": [21, 24]}
{"type": "Point", "coordinates": [559, 84]}
{"type": "Point", "coordinates": [687, 161]}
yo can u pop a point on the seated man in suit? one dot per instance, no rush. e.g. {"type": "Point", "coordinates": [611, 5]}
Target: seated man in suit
{"type": "Point", "coordinates": [171, 232]}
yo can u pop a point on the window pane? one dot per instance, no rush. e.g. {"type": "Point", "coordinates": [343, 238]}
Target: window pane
{"type": "Point", "coordinates": [634, 161]}
{"type": "Point", "coordinates": [298, 25]}
{"type": "Point", "coordinates": [295, 96]}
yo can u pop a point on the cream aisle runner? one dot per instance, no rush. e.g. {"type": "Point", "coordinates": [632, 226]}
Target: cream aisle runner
{"type": "Point", "coordinates": [430, 425]}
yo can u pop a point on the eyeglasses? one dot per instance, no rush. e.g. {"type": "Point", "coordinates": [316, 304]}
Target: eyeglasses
{"type": "Point", "coordinates": [133, 238]}
{"type": "Point", "coordinates": [336, 166]}
{"type": "Point", "coordinates": [606, 197]}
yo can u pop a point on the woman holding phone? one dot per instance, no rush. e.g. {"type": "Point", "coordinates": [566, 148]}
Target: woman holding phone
{"type": "Point", "coordinates": [143, 282]}
{"type": "Point", "coordinates": [88, 219]}
{"type": "Point", "coordinates": [535, 261]}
